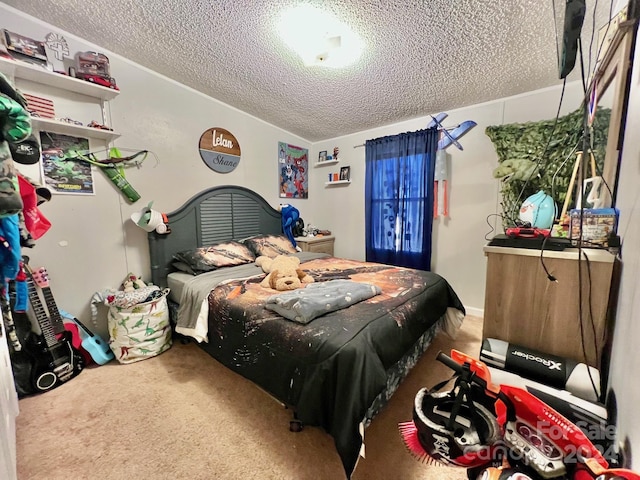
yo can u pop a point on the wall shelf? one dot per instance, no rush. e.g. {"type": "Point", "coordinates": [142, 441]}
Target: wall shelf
{"type": "Point", "coordinates": [337, 182]}
{"type": "Point", "coordinates": [47, 125]}
{"type": "Point", "coordinates": [26, 71]}
{"type": "Point", "coordinates": [327, 162]}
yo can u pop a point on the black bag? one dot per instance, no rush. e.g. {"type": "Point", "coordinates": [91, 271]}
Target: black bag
{"type": "Point", "coordinates": [298, 228]}
{"type": "Point", "coordinates": [21, 360]}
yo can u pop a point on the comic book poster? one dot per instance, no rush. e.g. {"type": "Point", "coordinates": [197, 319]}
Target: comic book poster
{"type": "Point", "coordinates": [293, 169]}
{"type": "Point", "coordinates": [60, 174]}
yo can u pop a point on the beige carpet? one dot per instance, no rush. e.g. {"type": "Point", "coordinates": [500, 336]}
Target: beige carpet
{"type": "Point", "coordinates": [183, 415]}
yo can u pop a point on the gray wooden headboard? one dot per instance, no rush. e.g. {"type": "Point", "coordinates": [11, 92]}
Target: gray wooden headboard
{"type": "Point", "coordinates": [213, 215]}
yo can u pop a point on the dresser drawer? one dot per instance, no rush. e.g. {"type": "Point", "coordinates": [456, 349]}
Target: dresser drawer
{"type": "Point", "coordinates": [316, 244]}
{"type": "Point", "coordinates": [322, 247]}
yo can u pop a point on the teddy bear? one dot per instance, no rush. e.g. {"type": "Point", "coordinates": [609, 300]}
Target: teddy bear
{"type": "Point", "coordinates": [283, 273]}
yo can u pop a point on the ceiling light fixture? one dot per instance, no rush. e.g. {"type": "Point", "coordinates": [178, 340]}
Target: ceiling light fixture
{"type": "Point", "coordinates": [319, 38]}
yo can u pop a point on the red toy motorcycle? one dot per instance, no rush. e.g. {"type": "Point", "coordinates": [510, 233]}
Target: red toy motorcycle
{"type": "Point", "coordinates": [499, 432]}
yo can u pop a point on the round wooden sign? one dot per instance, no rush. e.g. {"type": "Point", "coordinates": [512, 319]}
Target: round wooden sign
{"type": "Point", "coordinates": [219, 150]}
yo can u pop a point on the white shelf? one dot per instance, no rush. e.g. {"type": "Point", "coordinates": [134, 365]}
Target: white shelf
{"type": "Point", "coordinates": [44, 124]}
{"type": "Point", "coordinates": [17, 69]}
{"type": "Point", "coordinates": [337, 182]}
{"type": "Point", "coordinates": [327, 162]}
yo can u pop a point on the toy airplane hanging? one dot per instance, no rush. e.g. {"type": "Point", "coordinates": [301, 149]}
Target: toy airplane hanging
{"type": "Point", "coordinates": [448, 137]}
{"type": "Point", "coordinates": [451, 136]}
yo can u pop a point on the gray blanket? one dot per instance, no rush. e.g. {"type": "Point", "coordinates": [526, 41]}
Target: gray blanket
{"type": "Point", "coordinates": [316, 299]}
{"type": "Point", "coordinates": [200, 286]}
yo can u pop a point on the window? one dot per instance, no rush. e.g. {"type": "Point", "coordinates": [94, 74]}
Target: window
{"type": "Point", "coordinates": [399, 198]}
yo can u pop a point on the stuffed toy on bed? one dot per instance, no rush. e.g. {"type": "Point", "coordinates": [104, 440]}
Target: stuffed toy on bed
{"type": "Point", "coordinates": [290, 216]}
{"type": "Point", "coordinates": [283, 273]}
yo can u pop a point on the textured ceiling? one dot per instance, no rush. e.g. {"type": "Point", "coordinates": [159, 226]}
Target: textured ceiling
{"type": "Point", "coordinates": [420, 57]}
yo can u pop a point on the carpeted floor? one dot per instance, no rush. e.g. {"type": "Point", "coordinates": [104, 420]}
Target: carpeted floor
{"type": "Point", "coordinates": [183, 415]}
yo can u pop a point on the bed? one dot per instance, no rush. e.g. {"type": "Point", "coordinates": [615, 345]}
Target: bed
{"type": "Point", "coordinates": [338, 370]}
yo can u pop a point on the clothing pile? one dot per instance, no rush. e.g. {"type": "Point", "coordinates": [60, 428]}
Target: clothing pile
{"type": "Point", "coordinates": [21, 222]}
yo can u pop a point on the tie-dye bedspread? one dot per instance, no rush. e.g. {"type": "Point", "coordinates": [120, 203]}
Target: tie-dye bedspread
{"type": "Point", "coordinates": [332, 368]}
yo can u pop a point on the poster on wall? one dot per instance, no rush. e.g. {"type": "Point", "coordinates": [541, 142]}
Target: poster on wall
{"type": "Point", "coordinates": [293, 169]}
{"type": "Point", "coordinates": [61, 175]}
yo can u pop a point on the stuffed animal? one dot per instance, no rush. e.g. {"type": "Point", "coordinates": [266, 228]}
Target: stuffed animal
{"type": "Point", "coordinates": [132, 283]}
{"type": "Point", "coordinates": [283, 273]}
{"type": "Point", "coordinates": [516, 169]}
{"type": "Point", "coordinates": [290, 215]}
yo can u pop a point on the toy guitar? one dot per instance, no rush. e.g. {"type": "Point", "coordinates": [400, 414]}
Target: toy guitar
{"type": "Point", "coordinates": [56, 361]}
{"type": "Point", "coordinates": [91, 342]}
{"type": "Point", "coordinates": [41, 280]}
{"type": "Point", "coordinates": [94, 348]}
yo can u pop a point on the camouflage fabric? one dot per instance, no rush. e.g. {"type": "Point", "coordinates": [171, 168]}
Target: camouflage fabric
{"type": "Point", "coordinates": [15, 126]}
{"type": "Point", "coordinates": [7, 89]}
{"type": "Point", "coordinates": [10, 199]}
{"type": "Point", "coordinates": [15, 121]}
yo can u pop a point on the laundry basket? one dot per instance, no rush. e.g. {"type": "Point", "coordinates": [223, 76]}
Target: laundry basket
{"type": "Point", "coordinates": [138, 330]}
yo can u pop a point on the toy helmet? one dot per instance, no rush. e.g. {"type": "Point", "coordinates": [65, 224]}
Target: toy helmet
{"type": "Point", "coordinates": [466, 438]}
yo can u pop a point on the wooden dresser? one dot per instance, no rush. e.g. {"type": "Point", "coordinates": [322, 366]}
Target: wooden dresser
{"type": "Point", "coordinates": [524, 307]}
{"type": "Point", "coordinates": [320, 244]}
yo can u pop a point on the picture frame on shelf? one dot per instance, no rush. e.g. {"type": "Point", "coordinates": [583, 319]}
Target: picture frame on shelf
{"type": "Point", "coordinates": [345, 173]}
{"type": "Point", "coordinates": [322, 156]}
{"type": "Point", "coordinates": [25, 48]}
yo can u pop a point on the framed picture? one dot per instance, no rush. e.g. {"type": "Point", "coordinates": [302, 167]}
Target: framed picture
{"type": "Point", "coordinates": [25, 48]}
{"type": "Point", "coordinates": [345, 173]}
{"type": "Point", "coordinates": [322, 156]}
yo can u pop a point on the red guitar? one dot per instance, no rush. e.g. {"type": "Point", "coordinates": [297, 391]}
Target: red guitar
{"type": "Point", "coordinates": [56, 361]}
{"type": "Point", "coordinates": [92, 347]}
{"type": "Point", "coordinates": [41, 278]}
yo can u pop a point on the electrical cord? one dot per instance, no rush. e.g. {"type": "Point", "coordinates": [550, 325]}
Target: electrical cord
{"type": "Point", "coordinates": [586, 90]}
{"type": "Point", "coordinates": [501, 216]}
{"type": "Point", "coordinates": [546, 270]}
{"type": "Point", "coordinates": [586, 143]}
{"type": "Point", "coordinates": [593, 31]}
{"type": "Point", "coordinates": [592, 322]}
{"type": "Point", "coordinates": [564, 162]}
{"type": "Point", "coordinates": [546, 148]}
{"type": "Point", "coordinates": [591, 316]}
{"type": "Point", "coordinates": [606, 31]}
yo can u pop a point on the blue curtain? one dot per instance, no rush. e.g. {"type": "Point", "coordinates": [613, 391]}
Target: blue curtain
{"type": "Point", "coordinates": [399, 198]}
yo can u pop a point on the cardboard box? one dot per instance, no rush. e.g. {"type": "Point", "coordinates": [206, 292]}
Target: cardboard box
{"type": "Point", "coordinates": [597, 225]}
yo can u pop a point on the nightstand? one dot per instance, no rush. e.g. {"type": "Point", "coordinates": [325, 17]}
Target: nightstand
{"type": "Point", "coordinates": [323, 244]}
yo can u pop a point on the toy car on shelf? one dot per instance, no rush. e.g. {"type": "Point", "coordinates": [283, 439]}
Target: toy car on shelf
{"type": "Point", "coordinates": [94, 124]}
{"type": "Point", "coordinates": [93, 67]}
{"type": "Point", "coordinates": [69, 120]}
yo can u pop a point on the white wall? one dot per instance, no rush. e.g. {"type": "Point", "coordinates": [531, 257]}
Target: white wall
{"type": "Point", "coordinates": [459, 239]}
{"type": "Point", "coordinates": [152, 113]}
